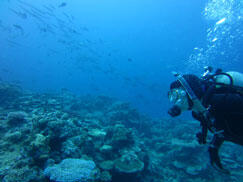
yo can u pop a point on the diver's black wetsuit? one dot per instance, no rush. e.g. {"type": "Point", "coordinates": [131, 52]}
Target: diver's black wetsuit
{"type": "Point", "coordinates": [226, 109]}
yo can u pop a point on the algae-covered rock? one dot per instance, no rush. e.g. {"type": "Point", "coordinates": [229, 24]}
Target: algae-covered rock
{"type": "Point", "coordinates": [107, 165]}
{"type": "Point", "coordinates": [42, 123]}
{"type": "Point", "coordinates": [106, 149]}
{"type": "Point", "coordinates": [121, 136]}
{"type": "Point", "coordinates": [39, 149]}
{"type": "Point", "coordinates": [59, 131]}
{"type": "Point", "coordinates": [129, 163]}
{"type": "Point", "coordinates": [16, 118]}
{"type": "Point", "coordinates": [14, 137]}
{"type": "Point", "coordinates": [65, 116]}
{"type": "Point", "coordinates": [105, 176]}
{"type": "Point", "coordinates": [69, 149]}
{"type": "Point", "coordinates": [73, 170]}
{"type": "Point", "coordinates": [120, 111]}
{"type": "Point", "coordinates": [9, 93]}
{"type": "Point", "coordinates": [193, 165]}
{"type": "Point", "coordinates": [40, 141]}
{"type": "Point", "coordinates": [97, 133]}
{"type": "Point", "coordinates": [52, 101]}
{"type": "Point", "coordinates": [24, 174]}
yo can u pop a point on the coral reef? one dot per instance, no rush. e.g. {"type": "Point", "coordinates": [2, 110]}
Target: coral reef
{"type": "Point", "coordinates": [64, 137]}
{"type": "Point", "coordinates": [8, 94]}
{"type": "Point", "coordinates": [72, 170]}
{"type": "Point", "coordinates": [16, 118]}
{"type": "Point", "coordinates": [129, 163]}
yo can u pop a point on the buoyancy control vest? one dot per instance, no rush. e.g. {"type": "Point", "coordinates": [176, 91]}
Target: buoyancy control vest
{"type": "Point", "coordinates": [225, 83]}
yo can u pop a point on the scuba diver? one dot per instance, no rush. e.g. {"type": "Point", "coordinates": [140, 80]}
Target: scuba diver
{"type": "Point", "coordinates": [216, 100]}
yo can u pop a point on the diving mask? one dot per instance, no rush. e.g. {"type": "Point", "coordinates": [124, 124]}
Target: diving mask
{"type": "Point", "coordinates": [179, 98]}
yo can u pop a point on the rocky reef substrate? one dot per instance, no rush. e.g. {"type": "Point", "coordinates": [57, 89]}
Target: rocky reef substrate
{"type": "Point", "coordinates": [69, 138]}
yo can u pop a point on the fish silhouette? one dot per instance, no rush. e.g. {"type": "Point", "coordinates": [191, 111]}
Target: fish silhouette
{"type": "Point", "coordinates": [62, 5]}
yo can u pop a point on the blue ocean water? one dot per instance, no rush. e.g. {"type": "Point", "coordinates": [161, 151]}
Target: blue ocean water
{"type": "Point", "coordinates": [123, 49]}
{"type": "Point", "coordinates": [70, 69]}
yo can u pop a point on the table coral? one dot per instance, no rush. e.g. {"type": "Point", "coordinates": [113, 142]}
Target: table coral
{"type": "Point", "coordinates": [72, 170]}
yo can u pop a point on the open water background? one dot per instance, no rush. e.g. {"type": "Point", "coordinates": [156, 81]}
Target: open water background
{"type": "Point", "coordinates": [124, 49]}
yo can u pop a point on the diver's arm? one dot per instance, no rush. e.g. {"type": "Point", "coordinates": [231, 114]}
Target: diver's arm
{"type": "Point", "coordinates": [201, 136]}
{"type": "Point", "coordinates": [204, 133]}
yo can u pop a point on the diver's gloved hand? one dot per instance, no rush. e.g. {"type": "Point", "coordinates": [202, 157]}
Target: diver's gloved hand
{"type": "Point", "coordinates": [174, 111]}
{"type": "Point", "coordinates": [215, 160]}
{"type": "Point", "coordinates": [200, 138]}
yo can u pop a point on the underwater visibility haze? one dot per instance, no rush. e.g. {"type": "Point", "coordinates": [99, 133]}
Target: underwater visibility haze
{"type": "Point", "coordinates": [84, 88]}
{"type": "Point", "coordinates": [123, 49]}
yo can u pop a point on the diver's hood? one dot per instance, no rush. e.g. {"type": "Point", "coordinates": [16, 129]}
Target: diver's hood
{"type": "Point", "coordinates": [196, 84]}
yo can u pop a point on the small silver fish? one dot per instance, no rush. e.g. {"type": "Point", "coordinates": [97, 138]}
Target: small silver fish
{"type": "Point", "coordinates": [18, 27]}
{"type": "Point", "coordinates": [20, 14]}
{"type": "Point", "coordinates": [62, 5]}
